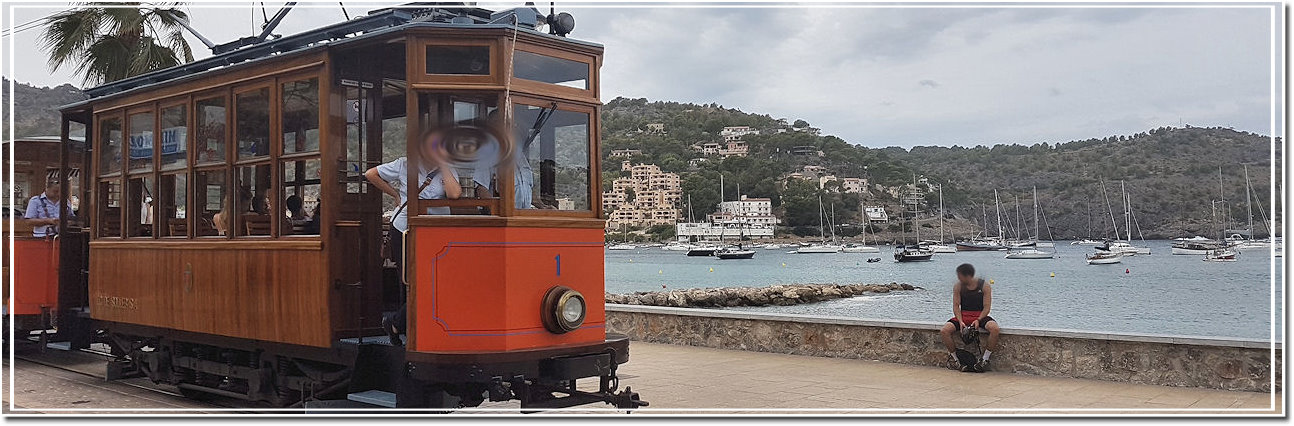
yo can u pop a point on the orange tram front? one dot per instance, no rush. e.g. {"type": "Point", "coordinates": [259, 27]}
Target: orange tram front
{"type": "Point", "coordinates": [236, 248]}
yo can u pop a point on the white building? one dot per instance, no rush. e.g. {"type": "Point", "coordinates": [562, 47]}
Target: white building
{"type": "Point", "coordinates": [737, 132]}
{"type": "Point", "coordinates": [876, 214]}
{"type": "Point", "coordinates": [749, 217]}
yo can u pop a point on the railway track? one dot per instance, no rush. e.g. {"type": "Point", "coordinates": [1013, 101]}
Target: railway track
{"type": "Point", "coordinates": [85, 369]}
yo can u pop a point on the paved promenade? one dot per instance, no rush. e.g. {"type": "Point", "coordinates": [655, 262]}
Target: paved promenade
{"type": "Point", "coordinates": [678, 378]}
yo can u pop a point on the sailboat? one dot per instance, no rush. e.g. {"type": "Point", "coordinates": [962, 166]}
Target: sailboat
{"type": "Point", "coordinates": [623, 245]}
{"type": "Point", "coordinates": [823, 247]}
{"type": "Point", "coordinates": [1123, 247]}
{"type": "Point", "coordinates": [913, 253]}
{"type": "Point", "coordinates": [940, 247]}
{"type": "Point", "coordinates": [1252, 243]}
{"type": "Point", "coordinates": [1033, 253]}
{"type": "Point", "coordinates": [987, 243]}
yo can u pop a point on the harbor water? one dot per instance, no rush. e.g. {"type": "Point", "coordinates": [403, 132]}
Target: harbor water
{"type": "Point", "coordinates": [1159, 294]}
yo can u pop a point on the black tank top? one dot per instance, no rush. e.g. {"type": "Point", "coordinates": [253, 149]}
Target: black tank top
{"type": "Point", "coordinates": [973, 300]}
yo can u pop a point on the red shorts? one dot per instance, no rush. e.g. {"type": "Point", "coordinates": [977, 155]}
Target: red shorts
{"type": "Point", "coordinates": [969, 317]}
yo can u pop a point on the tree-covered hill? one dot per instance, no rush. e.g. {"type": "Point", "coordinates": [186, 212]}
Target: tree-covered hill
{"type": "Point", "coordinates": [37, 108]}
{"type": "Point", "coordinates": [1170, 174]}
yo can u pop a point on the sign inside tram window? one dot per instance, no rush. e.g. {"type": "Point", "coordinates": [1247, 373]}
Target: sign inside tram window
{"type": "Point", "coordinates": [141, 145]}
{"type": "Point", "coordinates": [458, 60]}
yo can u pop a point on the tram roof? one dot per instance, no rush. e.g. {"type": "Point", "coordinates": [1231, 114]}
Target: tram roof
{"type": "Point", "coordinates": [376, 24]}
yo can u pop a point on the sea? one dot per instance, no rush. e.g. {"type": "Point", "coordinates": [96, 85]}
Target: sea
{"type": "Point", "coordinates": [1156, 294]}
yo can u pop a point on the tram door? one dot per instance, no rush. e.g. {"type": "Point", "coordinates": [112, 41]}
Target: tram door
{"type": "Point", "coordinates": [358, 265]}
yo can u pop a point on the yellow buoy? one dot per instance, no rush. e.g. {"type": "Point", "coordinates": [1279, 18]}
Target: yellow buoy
{"type": "Point", "coordinates": [990, 281]}
{"type": "Point", "coordinates": [711, 269]}
{"type": "Point", "coordinates": [631, 261]}
{"type": "Point", "coordinates": [662, 272]}
{"type": "Point", "coordinates": [783, 264]}
{"type": "Point", "coordinates": [1053, 275]}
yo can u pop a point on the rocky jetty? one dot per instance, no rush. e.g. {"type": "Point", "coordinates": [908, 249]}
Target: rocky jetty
{"type": "Point", "coordinates": [777, 295]}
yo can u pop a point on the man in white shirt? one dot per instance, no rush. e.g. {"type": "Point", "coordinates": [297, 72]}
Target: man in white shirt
{"type": "Point", "coordinates": [44, 210]}
{"type": "Point", "coordinates": [437, 182]}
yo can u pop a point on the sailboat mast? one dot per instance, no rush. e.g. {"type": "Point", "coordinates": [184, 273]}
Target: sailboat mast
{"type": "Point", "coordinates": [1226, 212]}
{"type": "Point", "coordinates": [1036, 235]}
{"type": "Point", "coordinates": [833, 222]}
{"type": "Point", "coordinates": [1113, 223]}
{"type": "Point", "coordinates": [941, 213]}
{"type": "Point", "coordinates": [821, 232]}
{"type": "Point", "coordinates": [1127, 210]}
{"type": "Point", "coordinates": [1249, 205]}
{"type": "Point", "coordinates": [997, 205]}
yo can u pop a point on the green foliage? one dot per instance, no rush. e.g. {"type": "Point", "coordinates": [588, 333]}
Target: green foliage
{"type": "Point", "coordinates": [110, 43]}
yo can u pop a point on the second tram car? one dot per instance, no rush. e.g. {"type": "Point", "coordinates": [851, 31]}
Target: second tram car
{"type": "Point", "coordinates": [235, 248]}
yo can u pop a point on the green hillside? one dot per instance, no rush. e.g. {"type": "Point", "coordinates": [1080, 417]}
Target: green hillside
{"type": "Point", "coordinates": [1171, 174]}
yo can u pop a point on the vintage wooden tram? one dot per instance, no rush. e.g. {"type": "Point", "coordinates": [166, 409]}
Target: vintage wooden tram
{"type": "Point", "coordinates": [202, 271]}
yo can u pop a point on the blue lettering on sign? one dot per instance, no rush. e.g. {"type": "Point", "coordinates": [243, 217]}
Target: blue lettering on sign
{"type": "Point", "coordinates": [559, 264]}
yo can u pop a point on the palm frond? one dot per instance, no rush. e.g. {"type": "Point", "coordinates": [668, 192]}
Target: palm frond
{"type": "Point", "coordinates": [108, 42]}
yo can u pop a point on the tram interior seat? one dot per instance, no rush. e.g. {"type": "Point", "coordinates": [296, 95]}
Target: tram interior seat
{"type": "Point", "coordinates": [111, 223]}
{"type": "Point", "coordinates": [177, 226]}
{"type": "Point", "coordinates": [256, 224]}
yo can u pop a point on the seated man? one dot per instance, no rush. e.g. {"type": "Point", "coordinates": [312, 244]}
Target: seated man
{"type": "Point", "coordinates": [972, 299]}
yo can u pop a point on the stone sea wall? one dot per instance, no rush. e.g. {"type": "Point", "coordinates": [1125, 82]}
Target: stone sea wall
{"type": "Point", "coordinates": [1230, 364]}
{"type": "Point", "coordinates": [779, 295]}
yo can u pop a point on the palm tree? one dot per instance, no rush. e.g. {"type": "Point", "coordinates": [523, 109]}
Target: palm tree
{"type": "Point", "coordinates": [107, 43]}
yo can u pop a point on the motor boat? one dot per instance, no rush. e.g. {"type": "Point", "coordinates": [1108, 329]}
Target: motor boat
{"type": "Point", "coordinates": [677, 247]}
{"type": "Point", "coordinates": [859, 248]}
{"type": "Point", "coordinates": [980, 245]}
{"type": "Point", "coordinates": [1222, 255]}
{"type": "Point", "coordinates": [728, 253]}
{"type": "Point", "coordinates": [1123, 248]}
{"type": "Point", "coordinates": [775, 246]}
{"type": "Point", "coordinates": [1195, 247]}
{"type": "Point", "coordinates": [1030, 254]}
{"type": "Point", "coordinates": [1022, 244]}
{"type": "Point", "coordinates": [873, 259]}
{"type": "Point", "coordinates": [912, 254]}
{"type": "Point", "coordinates": [938, 247]}
{"type": "Point", "coordinates": [1104, 258]}
{"type": "Point", "coordinates": [819, 249]}
{"type": "Point", "coordinates": [1087, 242]}
{"type": "Point", "coordinates": [702, 251]}
{"type": "Point", "coordinates": [622, 246]}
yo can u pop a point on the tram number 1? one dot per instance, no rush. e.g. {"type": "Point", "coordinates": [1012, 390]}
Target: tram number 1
{"type": "Point", "coordinates": [558, 261]}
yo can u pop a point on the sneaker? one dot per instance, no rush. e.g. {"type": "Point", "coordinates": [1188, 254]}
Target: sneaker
{"type": "Point", "coordinates": [982, 366]}
{"type": "Point", "coordinates": [953, 363]}
{"type": "Point", "coordinates": [391, 331]}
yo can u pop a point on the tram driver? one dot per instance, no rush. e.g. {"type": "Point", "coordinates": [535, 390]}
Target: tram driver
{"type": "Point", "coordinates": [438, 181]}
{"type": "Point", "coordinates": [44, 210]}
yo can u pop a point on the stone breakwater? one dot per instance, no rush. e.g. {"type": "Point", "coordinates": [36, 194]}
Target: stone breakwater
{"type": "Point", "coordinates": [777, 295]}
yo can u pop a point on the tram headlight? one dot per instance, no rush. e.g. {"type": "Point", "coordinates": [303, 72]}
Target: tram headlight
{"type": "Point", "coordinates": [563, 309]}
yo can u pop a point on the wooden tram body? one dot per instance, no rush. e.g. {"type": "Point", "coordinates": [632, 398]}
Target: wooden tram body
{"type": "Point", "coordinates": [199, 278]}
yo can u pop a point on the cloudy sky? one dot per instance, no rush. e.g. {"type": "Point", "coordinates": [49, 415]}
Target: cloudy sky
{"type": "Point", "coordinates": [882, 76]}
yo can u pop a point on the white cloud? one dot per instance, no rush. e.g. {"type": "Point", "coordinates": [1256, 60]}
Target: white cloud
{"type": "Point", "coordinates": [903, 76]}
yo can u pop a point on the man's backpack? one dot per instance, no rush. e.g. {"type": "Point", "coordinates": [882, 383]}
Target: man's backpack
{"type": "Point", "coordinates": [966, 359]}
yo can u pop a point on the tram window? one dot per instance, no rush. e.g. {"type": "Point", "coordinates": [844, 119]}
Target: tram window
{"type": "Point", "coordinates": [110, 208]}
{"type": "Point", "coordinates": [210, 134]}
{"type": "Point", "coordinates": [458, 60]}
{"type": "Point", "coordinates": [175, 137]}
{"type": "Point", "coordinates": [140, 191]}
{"type": "Point", "coordinates": [252, 123]}
{"type": "Point", "coordinates": [300, 116]}
{"type": "Point", "coordinates": [110, 146]}
{"type": "Point", "coordinates": [141, 142]}
{"type": "Point", "coordinates": [174, 202]}
{"type": "Point", "coordinates": [211, 201]}
{"type": "Point", "coordinates": [553, 167]}
{"type": "Point", "coordinates": [301, 194]}
{"type": "Point", "coordinates": [255, 201]}
{"type": "Point", "coordinates": [548, 69]}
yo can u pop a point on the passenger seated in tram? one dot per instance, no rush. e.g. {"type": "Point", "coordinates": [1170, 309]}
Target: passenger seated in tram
{"type": "Point", "coordinates": [438, 181]}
